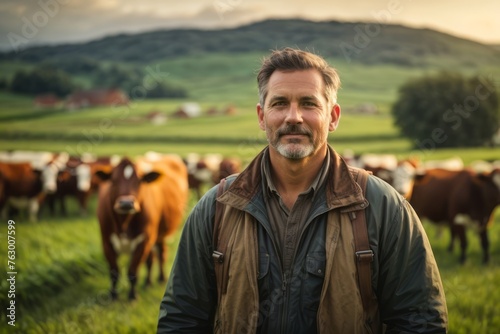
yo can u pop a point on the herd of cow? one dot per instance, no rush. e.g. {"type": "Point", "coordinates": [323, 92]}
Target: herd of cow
{"type": "Point", "coordinates": [142, 201]}
{"type": "Point", "coordinates": [444, 191]}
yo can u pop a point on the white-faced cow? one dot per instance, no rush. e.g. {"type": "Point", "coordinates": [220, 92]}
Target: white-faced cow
{"type": "Point", "coordinates": [138, 208]}
{"type": "Point", "coordinates": [458, 198]}
{"type": "Point", "coordinates": [201, 170]}
{"type": "Point", "coordinates": [79, 181]}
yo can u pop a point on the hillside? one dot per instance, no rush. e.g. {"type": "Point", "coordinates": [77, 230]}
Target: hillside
{"type": "Point", "coordinates": [369, 43]}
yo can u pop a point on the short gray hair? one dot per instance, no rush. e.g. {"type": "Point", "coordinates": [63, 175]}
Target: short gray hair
{"type": "Point", "coordinates": [289, 59]}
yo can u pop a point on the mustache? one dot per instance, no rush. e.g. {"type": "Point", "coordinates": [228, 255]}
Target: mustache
{"type": "Point", "coordinates": [293, 129]}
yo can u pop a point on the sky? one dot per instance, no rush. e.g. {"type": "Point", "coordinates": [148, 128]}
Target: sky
{"type": "Point", "coordinates": [25, 23]}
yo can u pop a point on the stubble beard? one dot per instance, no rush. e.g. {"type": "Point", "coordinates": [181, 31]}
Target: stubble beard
{"type": "Point", "coordinates": [293, 149]}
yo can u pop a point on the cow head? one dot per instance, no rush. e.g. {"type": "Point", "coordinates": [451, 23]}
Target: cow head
{"type": "Point", "coordinates": [49, 174]}
{"type": "Point", "coordinates": [495, 176]}
{"type": "Point", "coordinates": [403, 178]}
{"type": "Point", "coordinates": [83, 177]}
{"type": "Point", "coordinates": [125, 185]}
{"type": "Point", "coordinates": [49, 170]}
{"type": "Point", "coordinates": [493, 180]}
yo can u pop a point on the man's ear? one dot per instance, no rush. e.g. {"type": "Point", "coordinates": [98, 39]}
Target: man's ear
{"type": "Point", "coordinates": [260, 115]}
{"type": "Point", "coordinates": [335, 117]}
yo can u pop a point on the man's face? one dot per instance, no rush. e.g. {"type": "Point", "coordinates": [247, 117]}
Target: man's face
{"type": "Point", "coordinates": [296, 115]}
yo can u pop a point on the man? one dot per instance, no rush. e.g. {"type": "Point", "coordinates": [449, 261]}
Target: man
{"type": "Point", "coordinates": [291, 260]}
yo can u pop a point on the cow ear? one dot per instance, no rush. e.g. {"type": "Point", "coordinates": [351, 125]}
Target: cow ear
{"type": "Point", "coordinates": [419, 176]}
{"type": "Point", "coordinates": [150, 177]}
{"type": "Point", "coordinates": [104, 176]}
{"type": "Point", "coordinates": [484, 176]}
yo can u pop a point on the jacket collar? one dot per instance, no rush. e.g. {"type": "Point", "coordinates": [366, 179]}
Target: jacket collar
{"type": "Point", "coordinates": [342, 189]}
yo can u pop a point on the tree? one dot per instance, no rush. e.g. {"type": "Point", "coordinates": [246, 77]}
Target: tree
{"type": "Point", "coordinates": [117, 77]}
{"type": "Point", "coordinates": [164, 90]}
{"type": "Point", "coordinates": [42, 80]}
{"type": "Point", "coordinates": [3, 84]}
{"type": "Point", "coordinates": [448, 110]}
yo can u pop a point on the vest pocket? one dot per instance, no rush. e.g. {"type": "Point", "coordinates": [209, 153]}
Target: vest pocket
{"type": "Point", "coordinates": [263, 265]}
{"type": "Point", "coordinates": [313, 281]}
{"type": "Point", "coordinates": [315, 265]}
{"type": "Point", "coordinates": [262, 276]}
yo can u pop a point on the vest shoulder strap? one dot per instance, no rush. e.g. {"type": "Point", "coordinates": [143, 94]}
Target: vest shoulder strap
{"type": "Point", "coordinates": [219, 243]}
{"type": "Point", "coordinates": [364, 255]}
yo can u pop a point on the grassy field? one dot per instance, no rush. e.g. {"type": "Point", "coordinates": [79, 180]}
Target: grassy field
{"type": "Point", "coordinates": [62, 279]}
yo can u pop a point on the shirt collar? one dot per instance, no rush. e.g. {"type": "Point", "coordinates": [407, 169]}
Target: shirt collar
{"type": "Point", "coordinates": [318, 181]}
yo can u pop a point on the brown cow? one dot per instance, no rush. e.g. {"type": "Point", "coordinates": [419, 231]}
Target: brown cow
{"type": "Point", "coordinates": [20, 185]}
{"type": "Point", "coordinates": [227, 166]}
{"type": "Point", "coordinates": [458, 198]}
{"type": "Point", "coordinates": [137, 209]}
{"type": "Point", "coordinates": [25, 183]}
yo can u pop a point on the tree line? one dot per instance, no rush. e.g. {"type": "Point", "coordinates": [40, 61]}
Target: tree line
{"type": "Point", "coordinates": [60, 78]}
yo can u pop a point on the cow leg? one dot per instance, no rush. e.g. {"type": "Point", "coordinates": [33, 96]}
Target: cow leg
{"type": "Point", "coordinates": [452, 238]}
{"type": "Point", "coordinates": [4, 208]}
{"type": "Point", "coordinates": [485, 244]}
{"type": "Point", "coordinates": [33, 210]}
{"type": "Point", "coordinates": [132, 278]}
{"type": "Point", "coordinates": [62, 203]}
{"type": "Point", "coordinates": [114, 275]}
{"type": "Point", "coordinates": [460, 231]}
{"type": "Point", "coordinates": [112, 258]}
{"type": "Point", "coordinates": [50, 202]}
{"type": "Point", "coordinates": [149, 265]}
{"type": "Point", "coordinates": [161, 260]}
{"type": "Point", "coordinates": [139, 255]}
{"type": "Point", "coordinates": [85, 204]}
{"type": "Point", "coordinates": [82, 201]}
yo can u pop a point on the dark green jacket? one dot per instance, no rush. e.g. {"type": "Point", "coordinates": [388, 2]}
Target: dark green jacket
{"type": "Point", "coordinates": [405, 277]}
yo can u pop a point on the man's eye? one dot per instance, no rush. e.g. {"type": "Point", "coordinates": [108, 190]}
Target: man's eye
{"type": "Point", "coordinates": [279, 104]}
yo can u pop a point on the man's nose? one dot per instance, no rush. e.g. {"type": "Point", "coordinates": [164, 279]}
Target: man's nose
{"type": "Point", "coordinates": [294, 114]}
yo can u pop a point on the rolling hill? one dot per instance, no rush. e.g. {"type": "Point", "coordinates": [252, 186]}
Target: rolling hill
{"type": "Point", "coordinates": [369, 43]}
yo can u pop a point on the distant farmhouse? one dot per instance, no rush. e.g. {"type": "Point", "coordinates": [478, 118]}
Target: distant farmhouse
{"type": "Point", "coordinates": [47, 101]}
{"type": "Point", "coordinates": [157, 117]}
{"type": "Point", "coordinates": [96, 97]}
{"type": "Point", "coordinates": [188, 110]}
{"type": "Point", "coordinates": [364, 108]}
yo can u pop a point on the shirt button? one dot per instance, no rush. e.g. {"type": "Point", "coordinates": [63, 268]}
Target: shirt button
{"type": "Point", "coordinates": [319, 271]}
